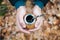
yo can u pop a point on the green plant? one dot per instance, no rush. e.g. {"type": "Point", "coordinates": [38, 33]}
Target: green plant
{"type": "Point", "coordinates": [3, 9]}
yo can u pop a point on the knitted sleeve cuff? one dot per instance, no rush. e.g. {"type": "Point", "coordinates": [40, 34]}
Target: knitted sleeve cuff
{"type": "Point", "coordinates": [40, 4]}
{"type": "Point", "coordinates": [18, 4]}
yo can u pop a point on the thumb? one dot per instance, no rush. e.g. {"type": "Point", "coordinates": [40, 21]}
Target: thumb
{"type": "Point", "coordinates": [39, 21]}
{"type": "Point", "coordinates": [23, 24]}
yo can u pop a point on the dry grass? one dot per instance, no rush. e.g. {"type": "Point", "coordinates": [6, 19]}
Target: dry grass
{"type": "Point", "coordinates": [50, 28]}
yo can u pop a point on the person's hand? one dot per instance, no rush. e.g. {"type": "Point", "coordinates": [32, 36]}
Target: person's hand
{"type": "Point", "coordinates": [39, 22]}
{"type": "Point", "coordinates": [21, 11]}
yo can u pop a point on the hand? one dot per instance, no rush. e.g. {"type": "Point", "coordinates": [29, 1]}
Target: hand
{"type": "Point", "coordinates": [21, 11]}
{"type": "Point", "coordinates": [39, 22]}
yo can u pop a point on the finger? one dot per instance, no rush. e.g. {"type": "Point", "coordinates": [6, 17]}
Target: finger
{"type": "Point", "coordinates": [37, 11]}
{"type": "Point", "coordinates": [20, 28]}
{"type": "Point", "coordinates": [19, 19]}
{"type": "Point", "coordinates": [25, 31]}
{"type": "Point", "coordinates": [33, 30]}
{"type": "Point", "coordinates": [21, 12]}
{"type": "Point", "coordinates": [38, 25]}
{"type": "Point", "coordinates": [37, 22]}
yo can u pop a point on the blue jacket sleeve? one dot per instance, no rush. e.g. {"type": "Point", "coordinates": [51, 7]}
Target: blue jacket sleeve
{"type": "Point", "coordinates": [44, 1]}
{"type": "Point", "coordinates": [41, 3]}
{"type": "Point", "coordinates": [17, 3]}
{"type": "Point", "coordinates": [13, 2]}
